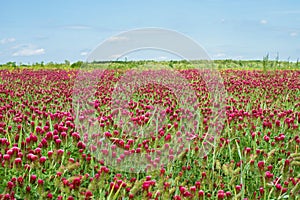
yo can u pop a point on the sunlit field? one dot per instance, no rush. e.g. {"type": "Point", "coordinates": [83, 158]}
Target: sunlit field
{"type": "Point", "coordinates": [44, 155]}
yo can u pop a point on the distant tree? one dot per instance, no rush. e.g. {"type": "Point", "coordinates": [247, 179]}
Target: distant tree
{"type": "Point", "coordinates": [265, 61]}
{"type": "Point", "coordinates": [11, 64]}
{"type": "Point", "coordinates": [77, 64]}
{"type": "Point", "coordinates": [67, 63]}
{"type": "Point", "coordinates": [50, 65]}
{"type": "Point", "coordinates": [171, 64]}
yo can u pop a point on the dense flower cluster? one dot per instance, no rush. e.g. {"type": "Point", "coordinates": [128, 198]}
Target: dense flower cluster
{"type": "Point", "coordinates": [43, 155]}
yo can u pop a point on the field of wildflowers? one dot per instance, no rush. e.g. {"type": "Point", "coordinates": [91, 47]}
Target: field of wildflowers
{"type": "Point", "coordinates": [44, 155]}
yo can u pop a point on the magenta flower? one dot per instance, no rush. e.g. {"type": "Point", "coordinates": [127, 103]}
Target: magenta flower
{"type": "Point", "coordinates": [261, 165]}
{"type": "Point", "coordinates": [43, 159]}
{"type": "Point", "coordinates": [40, 182]}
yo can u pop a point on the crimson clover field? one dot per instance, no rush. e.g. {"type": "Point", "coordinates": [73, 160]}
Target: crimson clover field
{"type": "Point", "coordinates": [44, 156]}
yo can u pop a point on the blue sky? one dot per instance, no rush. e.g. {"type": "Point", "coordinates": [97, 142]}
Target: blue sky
{"type": "Point", "coordinates": [35, 31]}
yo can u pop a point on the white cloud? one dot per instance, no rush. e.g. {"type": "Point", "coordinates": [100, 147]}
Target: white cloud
{"type": "Point", "coordinates": [20, 46]}
{"type": "Point", "coordinates": [162, 58]}
{"type": "Point", "coordinates": [84, 53]}
{"type": "Point", "coordinates": [117, 38]}
{"type": "Point", "coordinates": [263, 21]}
{"type": "Point", "coordinates": [28, 50]}
{"type": "Point", "coordinates": [219, 55]}
{"type": "Point", "coordinates": [7, 40]}
{"type": "Point", "coordinates": [293, 34]}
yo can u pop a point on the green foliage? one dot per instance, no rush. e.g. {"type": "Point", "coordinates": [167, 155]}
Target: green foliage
{"type": "Point", "coordinates": [67, 63]}
{"type": "Point", "coordinates": [77, 64]}
{"type": "Point", "coordinates": [265, 64]}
